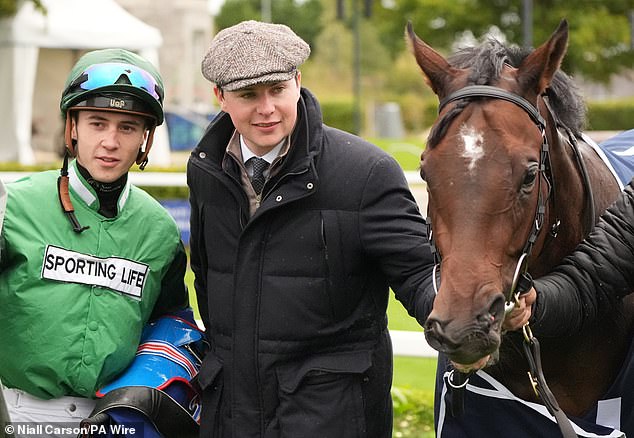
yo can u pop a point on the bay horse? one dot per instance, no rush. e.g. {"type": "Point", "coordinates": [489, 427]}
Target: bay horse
{"type": "Point", "coordinates": [512, 184]}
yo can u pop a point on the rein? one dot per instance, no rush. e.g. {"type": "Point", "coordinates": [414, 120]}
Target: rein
{"type": "Point", "coordinates": [522, 280]}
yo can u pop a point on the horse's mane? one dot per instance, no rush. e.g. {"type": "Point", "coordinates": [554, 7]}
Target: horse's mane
{"type": "Point", "coordinates": [485, 63]}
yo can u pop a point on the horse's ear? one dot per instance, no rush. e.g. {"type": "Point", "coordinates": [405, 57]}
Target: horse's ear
{"type": "Point", "coordinates": [438, 72]}
{"type": "Point", "coordinates": [537, 70]}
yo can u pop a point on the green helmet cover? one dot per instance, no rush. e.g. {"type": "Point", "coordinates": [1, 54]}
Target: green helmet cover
{"type": "Point", "coordinates": [72, 96]}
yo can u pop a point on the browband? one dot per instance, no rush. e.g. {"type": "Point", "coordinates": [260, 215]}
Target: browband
{"type": "Point", "coordinates": [497, 93]}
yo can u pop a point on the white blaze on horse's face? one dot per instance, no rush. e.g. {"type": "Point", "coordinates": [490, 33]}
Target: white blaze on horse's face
{"type": "Point", "coordinates": [472, 141]}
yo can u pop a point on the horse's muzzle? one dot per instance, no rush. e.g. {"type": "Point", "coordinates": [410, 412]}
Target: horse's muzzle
{"type": "Point", "coordinates": [470, 342]}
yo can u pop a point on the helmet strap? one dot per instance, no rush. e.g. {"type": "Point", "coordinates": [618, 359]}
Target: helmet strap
{"type": "Point", "coordinates": [64, 196]}
{"type": "Point", "coordinates": [142, 158]}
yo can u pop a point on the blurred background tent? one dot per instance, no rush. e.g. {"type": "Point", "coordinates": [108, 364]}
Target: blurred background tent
{"type": "Point", "coordinates": [36, 53]}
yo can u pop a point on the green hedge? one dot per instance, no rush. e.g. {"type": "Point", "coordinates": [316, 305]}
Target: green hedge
{"type": "Point", "coordinates": [413, 413]}
{"type": "Point", "coordinates": [419, 113]}
{"type": "Point", "coordinates": [339, 114]}
{"type": "Point", "coordinates": [168, 192]}
{"type": "Point", "coordinates": [613, 115]}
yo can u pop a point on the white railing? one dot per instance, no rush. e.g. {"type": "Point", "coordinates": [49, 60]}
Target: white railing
{"type": "Point", "coordinates": [177, 179]}
{"type": "Point", "coordinates": [404, 343]}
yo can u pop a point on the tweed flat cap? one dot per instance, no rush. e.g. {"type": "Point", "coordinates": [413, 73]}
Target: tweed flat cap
{"type": "Point", "coordinates": [252, 53]}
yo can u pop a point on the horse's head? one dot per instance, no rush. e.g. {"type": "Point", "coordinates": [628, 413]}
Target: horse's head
{"type": "Point", "coordinates": [482, 166]}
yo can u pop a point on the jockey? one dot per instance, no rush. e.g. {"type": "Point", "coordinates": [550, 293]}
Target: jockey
{"type": "Point", "coordinates": [75, 297]}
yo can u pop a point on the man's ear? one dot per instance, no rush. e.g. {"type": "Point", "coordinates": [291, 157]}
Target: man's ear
{"type": "Point", "coordinates": [220, 97]}
{"type": "Point", "coordinates": [73, 128]}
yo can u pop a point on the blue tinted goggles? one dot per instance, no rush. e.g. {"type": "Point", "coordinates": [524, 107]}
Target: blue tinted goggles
{"type": "Point", "coordinates": [109, 73]}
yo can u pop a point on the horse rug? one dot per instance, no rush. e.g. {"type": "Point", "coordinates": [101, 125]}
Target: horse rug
{"type": "Point", "coordinates": [490, 409]}
{"type": "Point", "coordinates": [618, 154]}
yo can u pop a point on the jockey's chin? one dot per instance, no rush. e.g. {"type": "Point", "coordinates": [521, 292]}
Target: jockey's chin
{"type": "Point", "coordinates": [472, 367]}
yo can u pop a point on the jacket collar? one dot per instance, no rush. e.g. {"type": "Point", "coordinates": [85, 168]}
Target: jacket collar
{"type": "Point", "coordinates": [84, 191]}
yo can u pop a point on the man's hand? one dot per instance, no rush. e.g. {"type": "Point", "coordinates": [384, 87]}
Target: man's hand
{"type": "Point", "coordinates": [521, 313]}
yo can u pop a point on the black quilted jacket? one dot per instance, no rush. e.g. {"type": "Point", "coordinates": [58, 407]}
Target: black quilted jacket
{"type": "Point", "coordinates": [294, 298]}
{"type": "Point", "coordinates": [600, 271]}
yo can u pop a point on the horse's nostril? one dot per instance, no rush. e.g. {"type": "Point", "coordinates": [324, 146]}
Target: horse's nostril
{"type": "Point", "coordinates": [486, 321]}
{"type": "Point", "coordinates": [494, 314]}
{"type": "Point", "coordinates": [433, 325]}
{"type": "Point", "coordinates": [497, 308]}
{"type": "Point", "coordinates": [436, 336]}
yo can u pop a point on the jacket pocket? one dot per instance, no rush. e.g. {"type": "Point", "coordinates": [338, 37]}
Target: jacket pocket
{"type": "Point", "coordinates": [340, 295]}
{"type": "Point", "coordinates": [323, 396]}
{"type": "Point", "coordinates": [211, 384]}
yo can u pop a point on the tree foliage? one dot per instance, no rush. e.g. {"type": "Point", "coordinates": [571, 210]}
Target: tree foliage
{"type": "Point", "coordinates": [600, 31]}
{"type": "Point", "coordinates": [599, 47]}
{"type": "Point", "coordinates": [304, 17]}
{"type": "Point", "coordinates": [9, 8]}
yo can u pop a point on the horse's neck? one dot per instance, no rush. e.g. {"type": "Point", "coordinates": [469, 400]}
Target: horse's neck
{"type": "Point", "coordinates": [582, 188]}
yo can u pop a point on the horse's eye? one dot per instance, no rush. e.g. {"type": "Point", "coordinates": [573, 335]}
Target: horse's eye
{"type": "Point", "coordinates": [530, 177]}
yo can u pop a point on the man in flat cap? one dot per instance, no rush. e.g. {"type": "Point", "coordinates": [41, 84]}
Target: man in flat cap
{"type": "Point", "coordinates": [298, 230]}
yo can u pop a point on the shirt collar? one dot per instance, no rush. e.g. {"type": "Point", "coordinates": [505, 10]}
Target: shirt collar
{"type": "Point", "coordinates": [270, 156]}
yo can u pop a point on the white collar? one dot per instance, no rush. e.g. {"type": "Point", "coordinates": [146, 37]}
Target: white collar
{"type": "Point", "coordinates": [270, 156]}
{"type": "Point", "coordinates": [82, 189]}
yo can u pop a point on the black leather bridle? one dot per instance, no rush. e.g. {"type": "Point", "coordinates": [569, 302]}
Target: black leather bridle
{"type": "Point", "coordinates": [521, 279]}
